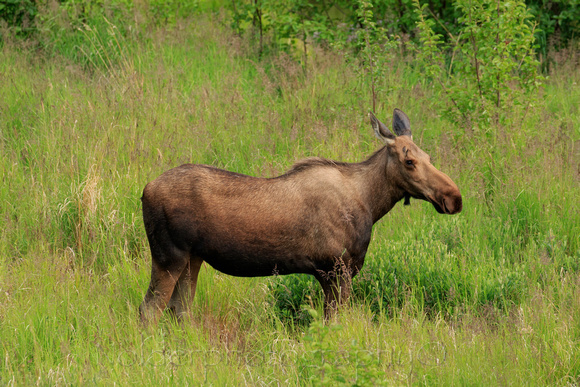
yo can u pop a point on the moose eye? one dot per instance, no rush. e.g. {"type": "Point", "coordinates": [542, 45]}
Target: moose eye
{"type": "Point", "coordinates": [409, 162]}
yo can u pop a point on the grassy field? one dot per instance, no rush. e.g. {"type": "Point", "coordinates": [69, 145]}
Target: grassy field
{"type": "Point", "coordinates": [487, 297]}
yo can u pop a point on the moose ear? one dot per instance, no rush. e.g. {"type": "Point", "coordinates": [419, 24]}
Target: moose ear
{"type": "Point", "coordinates": [381, 130]}
{"type": "Point", "coordinates": [401, 124]}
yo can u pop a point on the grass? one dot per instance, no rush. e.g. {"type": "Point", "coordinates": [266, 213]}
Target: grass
{"type": "Point", "coordinates": [490, 296]}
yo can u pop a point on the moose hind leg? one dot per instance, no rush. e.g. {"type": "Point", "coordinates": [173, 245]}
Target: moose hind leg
{"type": "Point", "coordinates": [184, 292]}
{"type": "Point", "coordinates": [161, 288]}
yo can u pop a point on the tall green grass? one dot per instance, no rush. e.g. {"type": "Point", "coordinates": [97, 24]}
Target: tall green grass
{"type": "Point", "coordinates": [490, 296]}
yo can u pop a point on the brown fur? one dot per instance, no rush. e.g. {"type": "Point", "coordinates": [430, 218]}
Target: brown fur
{"type": "Point", "coordinates": [316, 218]}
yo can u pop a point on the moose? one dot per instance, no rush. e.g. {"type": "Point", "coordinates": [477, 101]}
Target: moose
{"type": "Point", "coordinates": [316, 218]}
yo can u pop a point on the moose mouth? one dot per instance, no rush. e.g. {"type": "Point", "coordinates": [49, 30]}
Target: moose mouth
{"type": "Point", "coordinates": [439, 209]}
{"type": "Point", "coordinates": [440, 205]}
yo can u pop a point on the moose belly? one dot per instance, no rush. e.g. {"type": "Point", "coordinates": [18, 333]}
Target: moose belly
{"type": "Point", "coordinates": [259, 259]}
{"type": "Point", "coordinates": [255, 268]}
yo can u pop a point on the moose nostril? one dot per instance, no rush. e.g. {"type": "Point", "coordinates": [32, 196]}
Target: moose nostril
{"type": "Point", "coordinates": [458, 204]}
{"type": "Point", "coordinates": [452, 204]}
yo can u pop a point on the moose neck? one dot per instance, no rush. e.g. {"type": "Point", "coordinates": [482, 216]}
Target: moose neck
{"type": "Point", "coordinates": [378, 182]}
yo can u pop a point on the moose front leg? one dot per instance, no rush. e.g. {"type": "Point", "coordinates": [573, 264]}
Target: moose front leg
{"type": "Point", "coordinates": [336, 290]}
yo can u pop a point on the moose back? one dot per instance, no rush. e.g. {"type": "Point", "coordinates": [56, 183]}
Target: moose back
{"type": "Point", "coordinates": [316, 218]}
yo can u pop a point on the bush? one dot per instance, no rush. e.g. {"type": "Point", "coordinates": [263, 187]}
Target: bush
{"type": "Point", "coordinates": [488, 71]}
{"type": "Point", "coordinates": [18, 15]}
